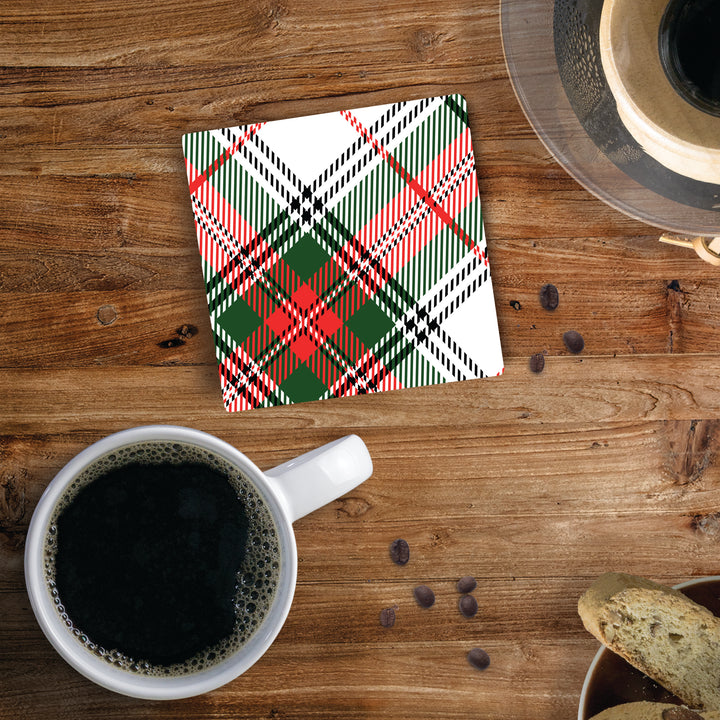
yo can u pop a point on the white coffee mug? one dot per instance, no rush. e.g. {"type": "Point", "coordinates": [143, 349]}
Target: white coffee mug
{"type": "Point", "coordinates": [290, 491]}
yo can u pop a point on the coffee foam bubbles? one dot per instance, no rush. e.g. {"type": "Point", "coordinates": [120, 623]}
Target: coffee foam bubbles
{"type": "Point", "coordinates": [257, 579]}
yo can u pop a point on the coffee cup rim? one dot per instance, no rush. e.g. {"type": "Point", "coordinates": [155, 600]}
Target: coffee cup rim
{"type": "Point", "coordinates": [100, 671]}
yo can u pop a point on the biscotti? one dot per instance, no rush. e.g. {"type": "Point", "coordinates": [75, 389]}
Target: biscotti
{"type": "Point", "coordinates": [653, 711]}
{"type": "Point", "coordinates": [661, 632]}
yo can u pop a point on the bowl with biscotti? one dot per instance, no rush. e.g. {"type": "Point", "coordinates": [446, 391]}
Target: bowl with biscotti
{"type": "Point", "coordinates": [660, 658]}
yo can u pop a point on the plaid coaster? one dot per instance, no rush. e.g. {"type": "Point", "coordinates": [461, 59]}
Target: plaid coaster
{"type": "Point", "coordinates": [344, 253]}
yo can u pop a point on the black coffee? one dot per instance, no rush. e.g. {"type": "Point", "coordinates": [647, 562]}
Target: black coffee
{"type": "Point", "coordinates": [162, 558]}
{"type": "Point", "coordinates": [689, 44]}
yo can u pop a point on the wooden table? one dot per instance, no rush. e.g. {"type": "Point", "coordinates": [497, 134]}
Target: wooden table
{"type": "Point", "coordinates": [533, 483]}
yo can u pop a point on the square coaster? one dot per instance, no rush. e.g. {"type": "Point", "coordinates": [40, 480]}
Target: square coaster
{"type": "Point", "coordinates": [344, 253]}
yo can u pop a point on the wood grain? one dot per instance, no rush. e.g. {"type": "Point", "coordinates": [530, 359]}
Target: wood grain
{"type": "Point", "coordinates": [533, 483]}
{"type": "Point", "coordinates": [671, 314]}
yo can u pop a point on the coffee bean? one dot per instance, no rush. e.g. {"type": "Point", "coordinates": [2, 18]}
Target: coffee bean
{"type": "Point", "coordinates": [478, 658]}
{"type": "Point", "coordinates": [515, 305]}
{"type": "Point", "coordinates": [387, 617]}
{"type": "Point", "coordinates": [549, 296]}
{"type": "Point", "coordinates": [466, 584]}
{"type": "Point", "coordinates": [468, 606]}
{"type": "Point", "coordinates": [424, 595]}
{"type": "Point", "coordinates": [537, 363]}
{"type": "Point", "coordinates": [573, 341]}
{"type": "Point", "coordinates": [399, 551]}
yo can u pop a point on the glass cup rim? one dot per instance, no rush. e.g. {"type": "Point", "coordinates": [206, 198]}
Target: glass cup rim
{"type": "Point", "coordinates": [99, 670]}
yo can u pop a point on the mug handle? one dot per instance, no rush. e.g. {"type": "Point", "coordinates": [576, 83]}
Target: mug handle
{"type": "Point", "coordinates": [315, 478]}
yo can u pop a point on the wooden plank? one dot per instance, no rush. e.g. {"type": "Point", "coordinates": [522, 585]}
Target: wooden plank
{"type": "Point", "coordinates": [632, 299]}
{"type": "Point", "coordinates": [56, 269]}
{"type": "Point", "coordinates": [257, 33]}
{"type": "Point", "coordinates": [498, 549]}
{"type": "Point", "coordinates": [156, 204]}
{"type": "Point", "coordinates": [108, 328]}
{"type": "Point", "coordinates": [502, 472]}
{"type": "Point", "coordinates": [106, 324]}
{"type": "Point", "coordinates": [570, 390]}
{"type": "Point", "coordinates": [417, 666]}
{"type": "Point", "coordinates": [430, 680]}
{"type": "Point", "coordinates": [348, 612]}
{"type": "Point", "coordinates": [86, 215]}
{"type": "Point", "coordinates": [126, 106]}
{"type": "Point", "coordinates": [118, 205]}
{"type": "Point", "coordinates": [155, 287]}
{"type": "Point", "coordinates": [494, 155]}
{"type": "Point", "coordinates": [496, 507]}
